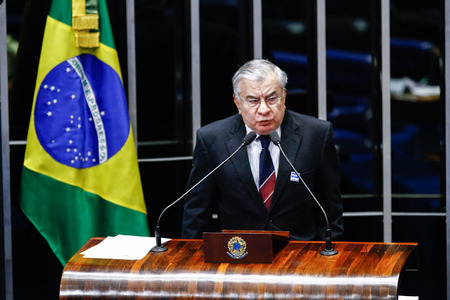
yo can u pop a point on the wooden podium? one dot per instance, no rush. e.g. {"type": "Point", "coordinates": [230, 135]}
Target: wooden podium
{"type": "Point", "coordinates": [298, 271]}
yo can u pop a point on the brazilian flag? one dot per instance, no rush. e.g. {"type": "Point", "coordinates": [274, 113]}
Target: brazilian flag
{"type": "Point", "coordinates": [80, 177]}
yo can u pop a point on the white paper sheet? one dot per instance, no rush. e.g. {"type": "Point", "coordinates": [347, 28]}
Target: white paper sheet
{"type": "Point", "coordinates": [122, 247]}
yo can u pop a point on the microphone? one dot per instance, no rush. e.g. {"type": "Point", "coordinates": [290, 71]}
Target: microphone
{"type": "Point", "coordinates": [328, 251]}
{"type": "Point", "coordinates": [159, 248]}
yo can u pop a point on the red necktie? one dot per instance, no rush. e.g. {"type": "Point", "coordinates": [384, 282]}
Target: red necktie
{"type": "Point", "coordinates": [266, 172]}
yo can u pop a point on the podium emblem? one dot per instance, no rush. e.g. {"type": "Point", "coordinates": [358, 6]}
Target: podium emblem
{"type": "Point", "coordinates": [237, 247]}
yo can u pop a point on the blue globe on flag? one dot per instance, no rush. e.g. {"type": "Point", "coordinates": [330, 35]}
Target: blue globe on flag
{"type": "Point", "coordinates": [80, 121]}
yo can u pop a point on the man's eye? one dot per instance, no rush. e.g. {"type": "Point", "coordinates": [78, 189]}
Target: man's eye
{"type": "Point", "coordinates": [253, 101]}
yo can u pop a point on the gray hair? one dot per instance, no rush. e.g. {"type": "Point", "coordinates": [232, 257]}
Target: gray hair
{"type": "Point", "coordinates": [257, 70]}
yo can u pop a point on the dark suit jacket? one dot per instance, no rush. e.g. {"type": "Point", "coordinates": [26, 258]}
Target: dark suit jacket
{"type": "Point", "coordinates": [231, 192]}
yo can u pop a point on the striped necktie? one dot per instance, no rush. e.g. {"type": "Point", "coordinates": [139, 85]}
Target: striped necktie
{"type": "Point", "coordinates": [266, 172]}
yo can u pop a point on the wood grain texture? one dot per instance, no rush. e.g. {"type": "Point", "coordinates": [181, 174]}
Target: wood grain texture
{"type": "Point", "coordinates": [358, 271]}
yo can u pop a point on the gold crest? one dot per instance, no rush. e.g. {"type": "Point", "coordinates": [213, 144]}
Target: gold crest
{"type": "Point", "coordinates": [237, 248]}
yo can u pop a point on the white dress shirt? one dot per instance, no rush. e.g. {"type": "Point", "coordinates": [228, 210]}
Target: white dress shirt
{"type": "Point", "coordinates": [254, 150]}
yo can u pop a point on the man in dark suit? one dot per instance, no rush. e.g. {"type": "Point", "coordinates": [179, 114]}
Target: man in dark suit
{"type": "Point", "coordinates": [232, 198]}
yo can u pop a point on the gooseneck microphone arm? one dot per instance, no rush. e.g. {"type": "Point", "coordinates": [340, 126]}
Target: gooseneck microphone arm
{"type": "Point", "coordinates": [328, 251]}
{"type": "Point", "coordinates": [159, 248]}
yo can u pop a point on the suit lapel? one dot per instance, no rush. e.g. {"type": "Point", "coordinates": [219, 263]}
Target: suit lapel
{"type": "Point", "coordinates": [291, 139]}
{"type": "Point", "coordinates": [240, 160]}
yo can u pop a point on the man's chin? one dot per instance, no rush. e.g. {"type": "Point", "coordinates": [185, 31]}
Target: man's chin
{"type": "Point", "coordinates": [264, 131]}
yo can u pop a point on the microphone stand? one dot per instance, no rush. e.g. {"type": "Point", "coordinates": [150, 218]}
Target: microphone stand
{"type": "Point", "coordinates": [159, 248]}
{"type": "Point", "coordinates": [328, 251]}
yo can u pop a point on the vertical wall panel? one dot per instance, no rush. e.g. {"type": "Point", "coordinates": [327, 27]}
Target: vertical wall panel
{"type": "Point", "coordinates": [6, 278]}
{"type": "Point", "coordinates": [257, 29]}
{"type": "Point", "coordinates": [386, 120]}
{"type": "Point", "coordinates": [321, 61]}
{"type": "Point", "coordinates": [446, 90]}
{"type": "Point", "coordinates": [195, 67]}
{"type": "Point", "coordinates": [131, 70]}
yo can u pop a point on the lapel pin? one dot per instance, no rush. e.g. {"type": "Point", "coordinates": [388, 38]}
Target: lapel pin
{"type": "Point", "coordinates": [294, 177]}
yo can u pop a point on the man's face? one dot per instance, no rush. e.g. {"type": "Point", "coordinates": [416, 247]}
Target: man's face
{"type": "Point", "coordinates": [263, 118]}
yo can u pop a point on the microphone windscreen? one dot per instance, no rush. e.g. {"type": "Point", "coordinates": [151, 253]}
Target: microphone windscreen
{"type": "Point", "coordinates": [274, 137]}
{"type": "Point", "coordinates": [249, 137]}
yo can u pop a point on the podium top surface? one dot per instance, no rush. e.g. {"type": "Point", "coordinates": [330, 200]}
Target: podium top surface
{"type": "Point", "coordinates": [369, 270]}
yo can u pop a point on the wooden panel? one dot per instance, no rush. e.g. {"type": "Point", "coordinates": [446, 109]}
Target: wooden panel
{"type": "Point", "coordinates": [254, 247]}
{"type": "Point", "coordinates": [359, 271]}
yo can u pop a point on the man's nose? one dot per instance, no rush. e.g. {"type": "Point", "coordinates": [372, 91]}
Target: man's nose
{"type": "Point", "coordinates": [263, 107]}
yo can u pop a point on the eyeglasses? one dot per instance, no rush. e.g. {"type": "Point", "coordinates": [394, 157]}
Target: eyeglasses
{"type": "Point", "coordinates": [253, 102]}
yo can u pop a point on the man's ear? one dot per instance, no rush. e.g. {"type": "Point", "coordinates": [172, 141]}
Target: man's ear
{"type": "Point", "coordinates": [237, 103]}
